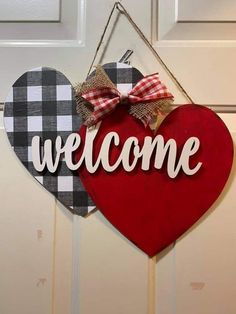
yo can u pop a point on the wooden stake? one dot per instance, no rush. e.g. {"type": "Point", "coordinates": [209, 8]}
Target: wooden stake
{"type": "Point", "coordinates": [152, 285]}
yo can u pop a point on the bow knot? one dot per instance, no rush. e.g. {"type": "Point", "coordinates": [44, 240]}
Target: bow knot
{"type": "Point", "coordinates": [124, 97]}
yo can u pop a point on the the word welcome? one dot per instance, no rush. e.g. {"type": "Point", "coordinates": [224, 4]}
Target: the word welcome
{"type": "Point", "coordinates": [131, 148]}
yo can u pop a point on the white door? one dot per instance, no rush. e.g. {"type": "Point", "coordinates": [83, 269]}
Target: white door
{"type": "Point", "coordinates": [53, 262]}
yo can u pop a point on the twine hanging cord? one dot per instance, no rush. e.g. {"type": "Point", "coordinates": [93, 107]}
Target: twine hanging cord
{"type": "Point", "coordinates": [118, 6]}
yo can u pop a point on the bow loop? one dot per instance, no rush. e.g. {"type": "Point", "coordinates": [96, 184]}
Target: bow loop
{"type": "Point", "coordinates": [101, 95]}
{"type": "Point", "coordinates": [148, 89]}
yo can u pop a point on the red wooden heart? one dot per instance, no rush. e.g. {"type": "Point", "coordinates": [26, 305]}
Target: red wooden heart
{"type": "Point", "coordinates": [148, 207]}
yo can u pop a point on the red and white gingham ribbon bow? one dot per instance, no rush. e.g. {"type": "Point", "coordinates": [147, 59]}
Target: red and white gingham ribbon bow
{"type": "Point", "coordinates": [106, 99]}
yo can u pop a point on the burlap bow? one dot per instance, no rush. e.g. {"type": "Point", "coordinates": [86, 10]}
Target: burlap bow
{"type": "Point", "coordinates": [98, 97]}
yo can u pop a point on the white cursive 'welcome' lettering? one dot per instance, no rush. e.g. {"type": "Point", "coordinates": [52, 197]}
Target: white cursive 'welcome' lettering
{"type": "Point", "coordinates": [130, 154]}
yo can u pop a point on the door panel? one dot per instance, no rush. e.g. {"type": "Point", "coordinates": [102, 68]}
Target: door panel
{"type": "Point", "coordinates": [26, 233]}
{"type": "Point", "coordinates": [207, 21]}
{"type": "Point", "coordinates": [112, 271]}
{"type": "Point", "coordinates": [33, 10]}
{"type": "Point", "coordinates": [206, 10]}
{"type": "Point", "coordinates": [62, 25]}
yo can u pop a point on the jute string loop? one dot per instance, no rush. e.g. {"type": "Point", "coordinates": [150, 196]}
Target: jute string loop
{"type": "Point", "coordinates": [121, 9]}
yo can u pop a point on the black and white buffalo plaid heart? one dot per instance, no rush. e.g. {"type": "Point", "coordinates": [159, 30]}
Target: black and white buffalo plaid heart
{"type": "Point", "coordinates": [42, 102]}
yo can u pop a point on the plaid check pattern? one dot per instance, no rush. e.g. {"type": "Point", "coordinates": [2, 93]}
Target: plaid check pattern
{"type": "Point", "coordinates": [122, 75]}
{"type": "Point", "coordinates": [106, 99]}
{"type": "Point", "coordinates": [41, 102]}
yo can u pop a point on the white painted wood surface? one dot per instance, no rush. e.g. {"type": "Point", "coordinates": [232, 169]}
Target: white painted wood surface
{"type": "Point", "coordinates": [112, 271]}
{"type": "Point", "coordinates": [27, 237]}
{"type": "Point", "coordinates": [206, 10]}
{"type": "Point", "coordinates": [30, 10]}
{"type": "Point", "coordinates": [88, 266]}
{"type": "Point", "coordinates": [67, 31]}
{"type": "Point", "coordinates": [207, 21]}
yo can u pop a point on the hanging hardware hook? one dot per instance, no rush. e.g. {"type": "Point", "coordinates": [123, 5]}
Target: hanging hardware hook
{"type": "Point", "coordinates": [126, 56]}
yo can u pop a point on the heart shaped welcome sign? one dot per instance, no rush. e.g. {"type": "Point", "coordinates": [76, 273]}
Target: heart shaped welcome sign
{"type": "Point", "coordinates": [42, 103]}
{"type": "Point", "coordinates": [151, 186]}
{"type": "Point", "coordinates": [149, 207]}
